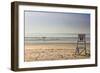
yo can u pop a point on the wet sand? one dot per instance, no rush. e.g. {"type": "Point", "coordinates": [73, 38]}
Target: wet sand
{"type": "Point", "coordinates": [53, 51]}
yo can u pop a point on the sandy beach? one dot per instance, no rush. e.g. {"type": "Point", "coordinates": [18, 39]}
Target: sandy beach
{"type": "Point", "coordinates": [53, 51]}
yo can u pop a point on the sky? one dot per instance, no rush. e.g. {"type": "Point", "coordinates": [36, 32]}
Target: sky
{"type": "Point", "coordinates": [55, 22]}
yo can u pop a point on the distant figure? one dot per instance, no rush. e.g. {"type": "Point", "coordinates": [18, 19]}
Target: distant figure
{"type": "Point", "coordinates": [43, 38]}
{"type": "Point", "coordinates": [81, 44]}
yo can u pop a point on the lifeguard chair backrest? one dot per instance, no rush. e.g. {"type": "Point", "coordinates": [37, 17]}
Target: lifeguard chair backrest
{"type": "Point", "coordinates": [81, 37]}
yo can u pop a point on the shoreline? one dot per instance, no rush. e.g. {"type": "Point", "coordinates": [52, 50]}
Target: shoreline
{"type": "Point", "coordinates": [53, 45]}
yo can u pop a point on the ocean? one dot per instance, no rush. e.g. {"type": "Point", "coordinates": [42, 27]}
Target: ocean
{"type": "Point", "coordinates": [54, 38]}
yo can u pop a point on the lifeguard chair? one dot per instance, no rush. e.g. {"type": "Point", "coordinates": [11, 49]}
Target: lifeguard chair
{"type": "Point", "coordinates": [81, 45]}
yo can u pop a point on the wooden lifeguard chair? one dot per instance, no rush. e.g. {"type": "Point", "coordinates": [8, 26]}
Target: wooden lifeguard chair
{"type": "Point", "coordinates": [81, 45]}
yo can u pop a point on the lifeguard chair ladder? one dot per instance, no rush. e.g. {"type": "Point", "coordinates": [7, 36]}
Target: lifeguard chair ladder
{"type": "Point", "coordinates": [81, 45]}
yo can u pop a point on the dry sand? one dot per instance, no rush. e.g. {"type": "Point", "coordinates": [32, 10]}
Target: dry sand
{"type": "Point", "coordinates": [39, 52]}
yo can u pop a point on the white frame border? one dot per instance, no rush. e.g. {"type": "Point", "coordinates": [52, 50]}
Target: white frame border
{"type": "Point", "coordinates": [23, 64]}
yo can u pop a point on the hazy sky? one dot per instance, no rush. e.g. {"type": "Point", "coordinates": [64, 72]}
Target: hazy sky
{"type": "Point", "coordinates": [52, 22]}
